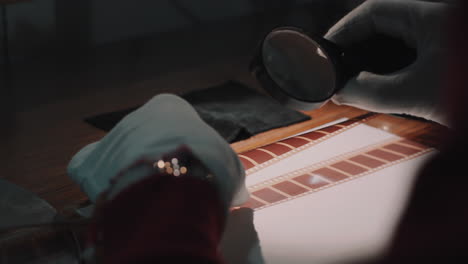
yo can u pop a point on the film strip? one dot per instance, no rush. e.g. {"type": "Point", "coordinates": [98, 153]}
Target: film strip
{"type": "Point", "coordinates": [333, 171]}
{"type": "Point", "coordinates": [262, 157]}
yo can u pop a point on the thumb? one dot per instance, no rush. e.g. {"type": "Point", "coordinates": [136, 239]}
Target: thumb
{"type": "Point", "coordinates": [370, 91]}
{"type": "Point", "coordinates": [241, 196]}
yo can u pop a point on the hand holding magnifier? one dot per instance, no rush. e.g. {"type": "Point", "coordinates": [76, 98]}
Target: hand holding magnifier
{"type": "Point", "coordinates": [304, 71]}
{"type": "Point", "coordinates": [368, 60]}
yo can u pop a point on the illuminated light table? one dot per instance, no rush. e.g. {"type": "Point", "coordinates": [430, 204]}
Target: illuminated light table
{"type": "Point", "coordinates": [327, 196]}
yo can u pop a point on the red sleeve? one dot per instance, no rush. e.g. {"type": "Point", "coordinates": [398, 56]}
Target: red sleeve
{"type": "Point", "coordinates": [162, 218]}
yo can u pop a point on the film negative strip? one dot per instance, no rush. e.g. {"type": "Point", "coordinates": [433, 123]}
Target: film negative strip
{"type": "Point", "coordinates": [334, 171]}
{"type": "Point", "coordinates": [262, 157]}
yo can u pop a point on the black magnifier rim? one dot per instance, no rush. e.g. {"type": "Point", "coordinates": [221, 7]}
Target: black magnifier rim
{"type": "Point", "coordinates": [258, 69]}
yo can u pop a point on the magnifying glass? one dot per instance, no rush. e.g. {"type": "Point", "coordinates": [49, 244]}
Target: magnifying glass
{"type": "Point", "coordinates": [304, 71]}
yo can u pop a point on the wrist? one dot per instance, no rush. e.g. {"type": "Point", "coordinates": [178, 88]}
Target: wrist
{"type": "Point", "coordinates": [159, 217]}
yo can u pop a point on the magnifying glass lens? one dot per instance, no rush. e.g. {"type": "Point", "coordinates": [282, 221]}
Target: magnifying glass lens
{"type": "Point", "coordinates": [299, 66]}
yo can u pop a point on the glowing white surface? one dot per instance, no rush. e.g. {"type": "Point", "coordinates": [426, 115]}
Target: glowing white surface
{"type": "Point", "coordinates": [349, 221]}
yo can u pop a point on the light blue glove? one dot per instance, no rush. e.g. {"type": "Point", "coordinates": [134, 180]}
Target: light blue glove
{"type": "Point", "coordinates": [158, 127]}
{"type": "Point", "coordinates": [416, 89]}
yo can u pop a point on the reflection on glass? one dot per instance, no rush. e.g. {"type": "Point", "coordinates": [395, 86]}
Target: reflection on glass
{"type": "Point", "coordinates": [299, 66]}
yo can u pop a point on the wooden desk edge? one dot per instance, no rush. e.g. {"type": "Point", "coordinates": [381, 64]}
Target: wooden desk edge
{"type": "Point", "coordinates": [425, 132]}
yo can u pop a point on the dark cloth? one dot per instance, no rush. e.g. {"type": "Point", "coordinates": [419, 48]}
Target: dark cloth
{"type": "Point", "coordinates": [235, 111]}
{"type": "Point", "coordinates": [434, 226]}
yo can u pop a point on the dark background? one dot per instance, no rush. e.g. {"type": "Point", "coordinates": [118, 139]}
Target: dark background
{"type": "Point", "coordinates": [69, 60]}
{"type": "Point", "coordinates": [59, 48]}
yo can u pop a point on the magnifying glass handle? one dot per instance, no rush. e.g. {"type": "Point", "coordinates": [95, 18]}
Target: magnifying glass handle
{"type": "Point", "coordinates": [380, 54]}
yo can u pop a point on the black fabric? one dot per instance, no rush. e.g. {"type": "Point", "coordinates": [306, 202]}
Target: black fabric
{"type": "Point", "coordinates": [235, 111]}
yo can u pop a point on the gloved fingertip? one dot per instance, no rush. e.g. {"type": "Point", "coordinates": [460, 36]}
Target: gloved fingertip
{"type": "Point", "coordinates": [168, 100]}
{"type": "Point", "coordinates": [77, 161]}
{"type": "Point", "coordinates": [241, 196]}
{"type": "Point", "coordinates": [356, 89]}
{"type": "Point", "coordinates": [336, 100]}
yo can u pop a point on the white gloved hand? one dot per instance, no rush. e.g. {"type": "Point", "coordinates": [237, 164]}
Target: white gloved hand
{"type": "Point", "coordinates": [158, 127]}
{"type": "Point", "coordinates": [415, 90]}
